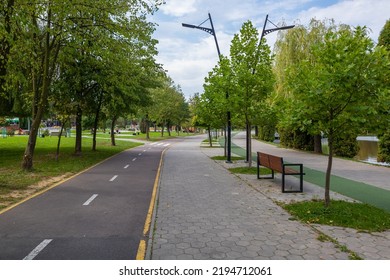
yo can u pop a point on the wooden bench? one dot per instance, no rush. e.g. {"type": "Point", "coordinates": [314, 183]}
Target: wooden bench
{"type": "Point", "coordinates": [276, 163]}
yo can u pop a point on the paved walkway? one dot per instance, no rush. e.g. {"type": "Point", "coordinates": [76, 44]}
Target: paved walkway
{"type": "Point", "coordinates": [362, 172]}
{"type": "Point", "coordinates": [205, 212]}
{"type": "Point", "coordinates": [360, 181]}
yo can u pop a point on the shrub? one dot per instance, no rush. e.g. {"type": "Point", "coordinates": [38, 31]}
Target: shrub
{"type": "Point", "coordinates": [296, 139]}
{"type": "Point", "coordinates": [384, 148]}
{"type": "Point", "coordinates": [345, 145]}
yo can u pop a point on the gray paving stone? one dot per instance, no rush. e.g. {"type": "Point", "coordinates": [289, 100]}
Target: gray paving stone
{"type": "Point", "coordinates": [205, 213]}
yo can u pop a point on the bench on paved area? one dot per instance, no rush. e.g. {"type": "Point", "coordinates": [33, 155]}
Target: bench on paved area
{"type": "Point", "coordinates": [276, 163]}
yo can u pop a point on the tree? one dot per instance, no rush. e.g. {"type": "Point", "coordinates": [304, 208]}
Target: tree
{"type": "Point", "coordinates": [35, 34]}
{"type": "Point", "coordinates": [212, 105]}
{"type": "Point", "coordinates": [6, 25]}
{"type": "Point", "coordinates": [251, 65]}
{"type": "Point", "coordinates": [384, 36]}
{"type": "Point", "coordinates": [291, 48]}
{"type": "Point", "coordinates": [384, 133]}
{"type": "Point", "coordinates": [169, 106]}
{"type": "Point", "coordinates": [341, 90]}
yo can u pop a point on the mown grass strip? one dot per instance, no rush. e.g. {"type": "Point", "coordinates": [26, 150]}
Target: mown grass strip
{"type": "Point", "coordinates": [249, 170]}
{"type": "Point", "coordinates": [360, 216]}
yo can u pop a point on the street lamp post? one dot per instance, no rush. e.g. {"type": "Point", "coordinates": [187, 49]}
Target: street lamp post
{"type": "Point", "coordinates": [211, 31]}
{"type": "Point", "coordinates": [263, 33]}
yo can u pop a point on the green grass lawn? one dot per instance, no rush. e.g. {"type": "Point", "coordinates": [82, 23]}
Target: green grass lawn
{"type": "Point", "coordinates": [359, 216]}
{"type": "Point", "coordinates": [12, 178]}
{"type": "Point", "coordinates": [250, 170]}
{"type": "Point", "coordinates": [225, 158]}
{"type": "Point", "coordinates": [154, 136]}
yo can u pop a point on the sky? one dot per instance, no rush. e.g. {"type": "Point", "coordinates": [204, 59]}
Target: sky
{"type": "Point", "coordinates": [189, 54]}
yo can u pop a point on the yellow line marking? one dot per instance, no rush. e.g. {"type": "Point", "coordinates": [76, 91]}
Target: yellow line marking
{"type": "Point", "coordinates": [141, 251]}
{"type": "Point", "coordinates": [148, 221]}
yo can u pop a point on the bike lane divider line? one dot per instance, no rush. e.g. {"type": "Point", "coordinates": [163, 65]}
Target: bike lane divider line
{"type": "Point", "coordinates": [140, 154]}
{"type": "Point", "coordinates": [134, 159]}
{"type": "Point", "coordinates": [126, 166]}
{"type": "Point", "coordinates": [38, 249]}
{"type": "Point", "coordinates": [113, 178]}
{"type": "Point", "coordinates": [90, 199]}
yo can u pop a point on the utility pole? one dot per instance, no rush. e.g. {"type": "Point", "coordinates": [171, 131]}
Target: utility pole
{"type": "Point", "coordinates": [211, 31]}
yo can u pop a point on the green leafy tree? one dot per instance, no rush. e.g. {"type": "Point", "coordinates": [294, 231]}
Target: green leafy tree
{"type": "Point", "coordinates": [251, 65]}
{"type": "Point", "coordinates": [169, 105]}
{"type": "Point", "coordinates": [35, 34]}
{"type": "Point", "coordinates": [212, 105]}
{"type": "Point", "coordinates": [384, 133]}
{"type": "Point", "coordinates": [340, 91]}
{"type": "Point", "coordinates": [291, 48]}
{"type": "Point", "coordinates": [384, 36]}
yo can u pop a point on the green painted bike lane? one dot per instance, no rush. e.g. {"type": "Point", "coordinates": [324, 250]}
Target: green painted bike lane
{"type": "Point", "coordinates": [357, 190]}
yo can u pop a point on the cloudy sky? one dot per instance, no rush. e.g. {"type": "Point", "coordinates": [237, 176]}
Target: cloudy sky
{"type": "Point", "coordinates": [189, 54]}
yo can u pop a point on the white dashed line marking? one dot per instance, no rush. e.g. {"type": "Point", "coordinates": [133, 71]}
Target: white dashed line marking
{"type": "Point", "coordinates": [166, 145]}
{"type": "Point", "coordinates": [134, 159]}
{"type": "Point", "coordinates": [38, 249]}
{"type": "Point", "coordinates": [127, 166]}
{"type": "Point", "coordinates": [90, 200]}
{"type": "Point", "coordinates": [113, 178]}
{"type": "Point", "coordinates": [140, 154]}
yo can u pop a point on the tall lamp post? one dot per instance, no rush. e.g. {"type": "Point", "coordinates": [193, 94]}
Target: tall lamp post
{"type": "Point", "coordinates": [263, 33]}
{"type": "Point", "coordinates": [211, 31]}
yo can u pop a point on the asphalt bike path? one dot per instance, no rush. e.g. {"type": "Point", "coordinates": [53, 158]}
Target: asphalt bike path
{"type": "Point", "coordinates": [99, 214]}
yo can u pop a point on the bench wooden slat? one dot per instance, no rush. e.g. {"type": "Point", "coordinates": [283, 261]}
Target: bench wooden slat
{"type": "Point", "coordinates": [276, 163]}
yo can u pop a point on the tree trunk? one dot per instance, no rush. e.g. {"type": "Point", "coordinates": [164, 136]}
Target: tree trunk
{"type": "Point", "coordinates": [317, 144]}
{"type": "Point", "coordinates": [147, 127]}
{"type": "Point", "coordinates": [248, 144]}
{"type": "Point", "coordinates": [96, 122]}
{"type": "Point", "coordinates": [113, 131]}
{"type": "Point", "coordinates": [225, 146]}
{"type": "Point", "coordinates": [27, 163]}
{"type": "Point", "coordinates": [169, 128]}
{"type": "Point", "coordinates": [329, 169]}
{"type": "Point", "coordinates": [162, 129]}
{"type": "Point", "coordinates": [210, 139]}
{"type": "Point", "coordinates": [78, 141]}
{"type": "Point", "coordinates": [59, 140]}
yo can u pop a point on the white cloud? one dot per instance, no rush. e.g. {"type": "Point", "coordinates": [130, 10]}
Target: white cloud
{"type": "Point", "coordinates": [179, 7]}
{"type": "Point", "coordinates": [188, 55]}
{"type": "Point", "coordinates": [372, 14]}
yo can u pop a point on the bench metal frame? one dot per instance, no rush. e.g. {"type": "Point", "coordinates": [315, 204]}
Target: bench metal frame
{"type": "Point", "coordinates": [283, 170]}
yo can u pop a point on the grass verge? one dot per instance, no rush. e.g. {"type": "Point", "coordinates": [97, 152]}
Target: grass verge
{"type": "Point", "coordinates": [360, 216]}
{"type": "Point", "coordinates": [249, 170]}
{"type": "Point", "coordinates": [225, 158]}
{"type": "Point", "coordinates": [153, 136]}
{"type": "Point", "coordinates": [16, 184]}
